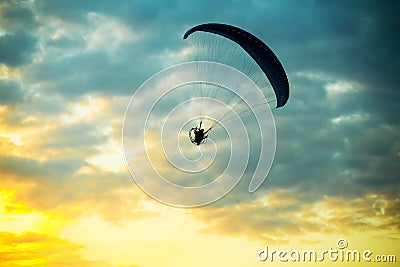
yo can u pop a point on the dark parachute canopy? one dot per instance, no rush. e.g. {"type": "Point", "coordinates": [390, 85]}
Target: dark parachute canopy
{"type": "Point", "coordinates": [258, 50]}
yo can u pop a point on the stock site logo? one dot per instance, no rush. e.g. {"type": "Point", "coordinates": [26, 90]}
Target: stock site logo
{"type": "Point", "coordinates": [192, 131]}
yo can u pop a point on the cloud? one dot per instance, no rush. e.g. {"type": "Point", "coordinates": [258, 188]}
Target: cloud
{"type": "Point", "coordinates": [76, 60]}
{"type": "Point", "coordinates": [89, 58]}
{"type": "Point", "coordinates": [74, 10]}
{"type": "Point", "coordinates": [17, 16]}
{"type": "Point", "coordinates": [280, 217]}
{"type": "Point", "coordinates": [69, 68]}
{"type": "Point", "coordinates": [10, 92]}
{"type": "Point", "coordinates": [17, 48]}
{"type": "Point", "coordinates": [17, 43]}
{"type": "Point", "coordinates": [79, 136]}
{"type": "Point", "coordinates": [67, 159]}
{"type": "Point", "coordinates": [36, 249]}
{"type": "Point", "coordinates": [67, 191]}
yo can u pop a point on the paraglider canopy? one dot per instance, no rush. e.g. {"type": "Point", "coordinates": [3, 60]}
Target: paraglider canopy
{"type": "Point", "coordinates": [258, 50]}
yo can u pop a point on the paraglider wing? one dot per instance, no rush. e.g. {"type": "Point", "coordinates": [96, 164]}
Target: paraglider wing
{"type": "Point", "coordinates": [258, 50]}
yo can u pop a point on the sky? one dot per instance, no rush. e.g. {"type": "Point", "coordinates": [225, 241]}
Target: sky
{"type": "Point", "coordinates": [68, 70]}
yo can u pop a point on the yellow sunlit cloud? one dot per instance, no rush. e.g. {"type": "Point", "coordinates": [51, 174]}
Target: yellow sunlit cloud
{"type": "Point", "coordinates": [9, 73]}
{"type": "Point", "coordinates": [109, 157]}
{"type": "Point", "coordinates": [16, 217]}
{"type": "Point", "coordinates": [84, 110]}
